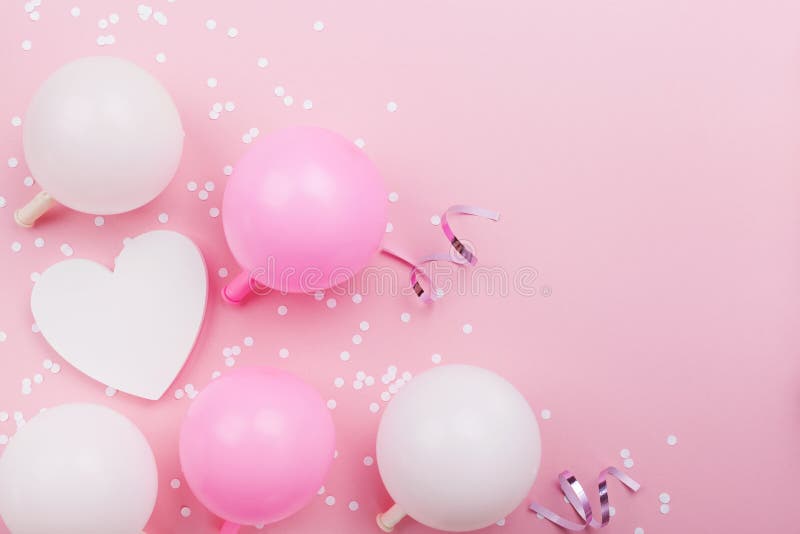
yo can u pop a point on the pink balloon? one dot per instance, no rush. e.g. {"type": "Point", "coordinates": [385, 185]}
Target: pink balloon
{"type": "Point", "coordinates": [256, 445]}
{"type": "Point", "coordinates": [304, 209]}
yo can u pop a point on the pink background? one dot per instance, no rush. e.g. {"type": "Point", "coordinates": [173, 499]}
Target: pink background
{"type": "Point", "coordinates": [644, 156]}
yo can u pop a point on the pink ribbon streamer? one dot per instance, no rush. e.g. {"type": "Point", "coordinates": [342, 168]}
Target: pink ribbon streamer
{"type": "Point", "coordinates": [580, 501]}
{"type": "Point", "coordinates": [464, 253]}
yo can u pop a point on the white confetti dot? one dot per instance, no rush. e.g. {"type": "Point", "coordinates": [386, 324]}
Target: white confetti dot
{"type": "Point", "coordinates": [13, 162]}
{"type": "Point", "coordinates": [405, 317]}
{"type": "Point", "coordinates": [35, 328]}
{"type": "Point", "coordinates": [35, 16]}
{"type": "Point", "coordinates": [3, 439]}
{"type": "Point", "coordinates": [47, 363]}
{"type": "Point", "coordinates": [113, 18]}
{"type": "Point", "coordinates": [385, 396]}
{"type": "Point", "coordinates": [191, 186]}
{"type": "Point", "coordinates": [3, 417]}
{"type": "Point", "coordinates": [344, 355]}
{"type": "Point", "coordinates": [227, 170]}
{"type": "Point", "coordinates": [394, 197]}
{"type": "Point", "coordinates": [331, 404]}
{"type": "Point", "coordinates": [436, 358]}
{"type": "Point", "coordinates": [368, 460]}
{"type": "Point", "coordinates": [358, 384]}
{"type": "Point", "coordinates": [212, 82]}
{"type": "Point", "coordinates": [35, 276]}
{"type": "Point", "coordinates": [330, 500]}
{"type": "Point", "coordinates": [467, 328]}
{"type": "Point", "coordinates": [282, 310]}
{"type": "Point", "coordinates": [215, 375]}
{"type": "Point", "coordinates": [357, 339]}
{"type": "Point", "coordinates": [209, 186]}
{"type": "Point", "coordinates": [374, 407]}
{"type": "Point", "coordinates": [370, 381]}
{"type": "Point", "coordinates": [280, 91]}
{"type": "Point", "coordinates": [364, 326]}
{"type": "Point", "coordinates": [230, 361]}
{"type": "Point", "coordinates": [288, 100]}
{"type": "Point", "coordinates": [321, 490]}
{"type": "Point", "coordinates": [179, 393]}
{"type": "Point", "coordinates": [211, 24]}
{"type": "Point", "coordinates": [664, 509]}
{"type": "Point", "coordinates": [672, 439]}
{"type": "Point", "coordinates": [232, 32]}
{"type": "Point", "coordinates": [307, 104]}
{"type": "Point", "coordinates": [638, 530]}
{"type": "Point", "coordinates": [16, 121]}
{"type": "Point", "coordinates": [227, 351]}
{"type": "Point", "coordinates": [2, 202]}
{"type": "Point", "coordinates": [229, 106]}
{"type": "Point", "coordinates": [361, 375]}
{"type": "Point", "coordinates": [357, 298]}
{"type": "Point", "coordinates": [391, 107]}
{"type": "Point", "coordinates": [16, 246]}
{"type": "Point", "coordinates": [75, 12]}
{"type": "Point", "coordinates": [331, 303]}
{"type": "Point", "coordinates": [262, 62]}
{"type": "Point", "coordinates": [102, 24]}
{"type": "Point", "coordinates": [353, 506]}
{"type": "Point", "coordinates": [175, 483]}
{"type": "Point", "coordinates": [247, 138]}
{"type": "Point", "coordinates": [501, 522]}
{"type": "Point", "coordinates": [664, 498]}
{"type": "Point", "coordinates": [99, 221]}
{"type": "Point", "coordinates": [202, 194]}
{"type": "Point", "coordinates": [163, 218]}
{"type": "Point", "coordinates": [389, 227]}
{"type": "Point", "coordinates": [338, 382]}
{"type": "Point", "coordinates": [546, 414]}
{"type": "Point", "coordinates": [110, 392]}
{"type": "Point", "coordinates": [55, 369]}
{"type": "Point", "coordinates": [28, 181]}
{"type": "Point", "coordinates": [625, 453]}
{"type": "Point", "coordinates": [319, 26]}
{"type": "Point", "coordinates": [612, 511]}
{"type": "Point", "coordinates": [236, 350]}
{"type": "Point", "coordinates": [283, 353]}
{"type": "Point", "coordinates": [26, 45]}
{"type": "Point", "coordinates": [161, 57]}
{"type": "Point", "coordinates": [436, 220]}
{"type": "Point", "coordinates": [38, 378]}
{"type": "Point", "coordinates": [360, 143]}
{"type": "Point", "coordinates": [186, 511]}
{"type": "Point", "coordinates": [248, 341]}
{"type": "Point", "coordinates": [213, 212]}
{"type": "Point", "coordinates": [628, 463]}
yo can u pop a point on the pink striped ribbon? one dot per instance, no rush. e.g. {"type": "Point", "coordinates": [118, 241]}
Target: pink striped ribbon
{"type": "Point", "coordinates": [580, 501]}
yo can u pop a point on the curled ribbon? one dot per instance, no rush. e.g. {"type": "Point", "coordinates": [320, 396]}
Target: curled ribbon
{"type": "Point", "coordinates": [580, 501]}
{"type": "Point", "coordinates": [465, 255]}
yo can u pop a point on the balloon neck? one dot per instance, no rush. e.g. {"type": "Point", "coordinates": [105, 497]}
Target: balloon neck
{"type": "Point", "coordinates": [30, 212]}
{"type": "Point", "coordinates": [388, 519]}
{"type": "Point", "coordinates": [229, 528]}
{"type": "Point", "coordinates": [237, 289]}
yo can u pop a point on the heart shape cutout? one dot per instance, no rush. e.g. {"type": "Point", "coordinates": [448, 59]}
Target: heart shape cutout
{"type": "Point", "coordinates": [131, 328]}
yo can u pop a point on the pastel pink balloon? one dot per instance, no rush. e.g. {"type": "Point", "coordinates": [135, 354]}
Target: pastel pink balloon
{"type": "Point", "coordinates": [304, 209]}
{"type": "Point", "coordinates": [256, 445]}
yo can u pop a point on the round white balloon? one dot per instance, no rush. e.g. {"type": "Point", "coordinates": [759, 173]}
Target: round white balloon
{"type": "Point", "coordinates": [458, 448]}
{"type": "Point", "coordinates": [102, 136]}
{"type": "Point", "coordinates": [77, 469]}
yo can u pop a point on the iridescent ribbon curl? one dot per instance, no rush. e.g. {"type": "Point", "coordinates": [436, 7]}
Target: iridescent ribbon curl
{"type": "Point", "coordinates": [464, 254]}
{"type": "Point", "coordinates": [580, 501]}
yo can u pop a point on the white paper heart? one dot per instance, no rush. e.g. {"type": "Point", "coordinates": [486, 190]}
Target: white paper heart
{"type": "Point", "coordinates": [131, 328]}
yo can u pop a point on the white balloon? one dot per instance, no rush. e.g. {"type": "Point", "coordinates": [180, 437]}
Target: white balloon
{"type": "Point", "coordinates": [102, 136]}
{"type": "Point", "coordinates": [458, 448]}
{"type": "Point", "coordinates": [77, 469]}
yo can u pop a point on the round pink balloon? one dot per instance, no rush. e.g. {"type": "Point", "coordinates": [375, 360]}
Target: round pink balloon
{"type": "Point", "coordinates": [304, 209]}
{"type": "Point", "coordinates": [256, 445]}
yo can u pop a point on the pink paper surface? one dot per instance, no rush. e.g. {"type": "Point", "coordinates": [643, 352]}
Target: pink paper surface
{"type": "Point", "coordinates": [644, 156]}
